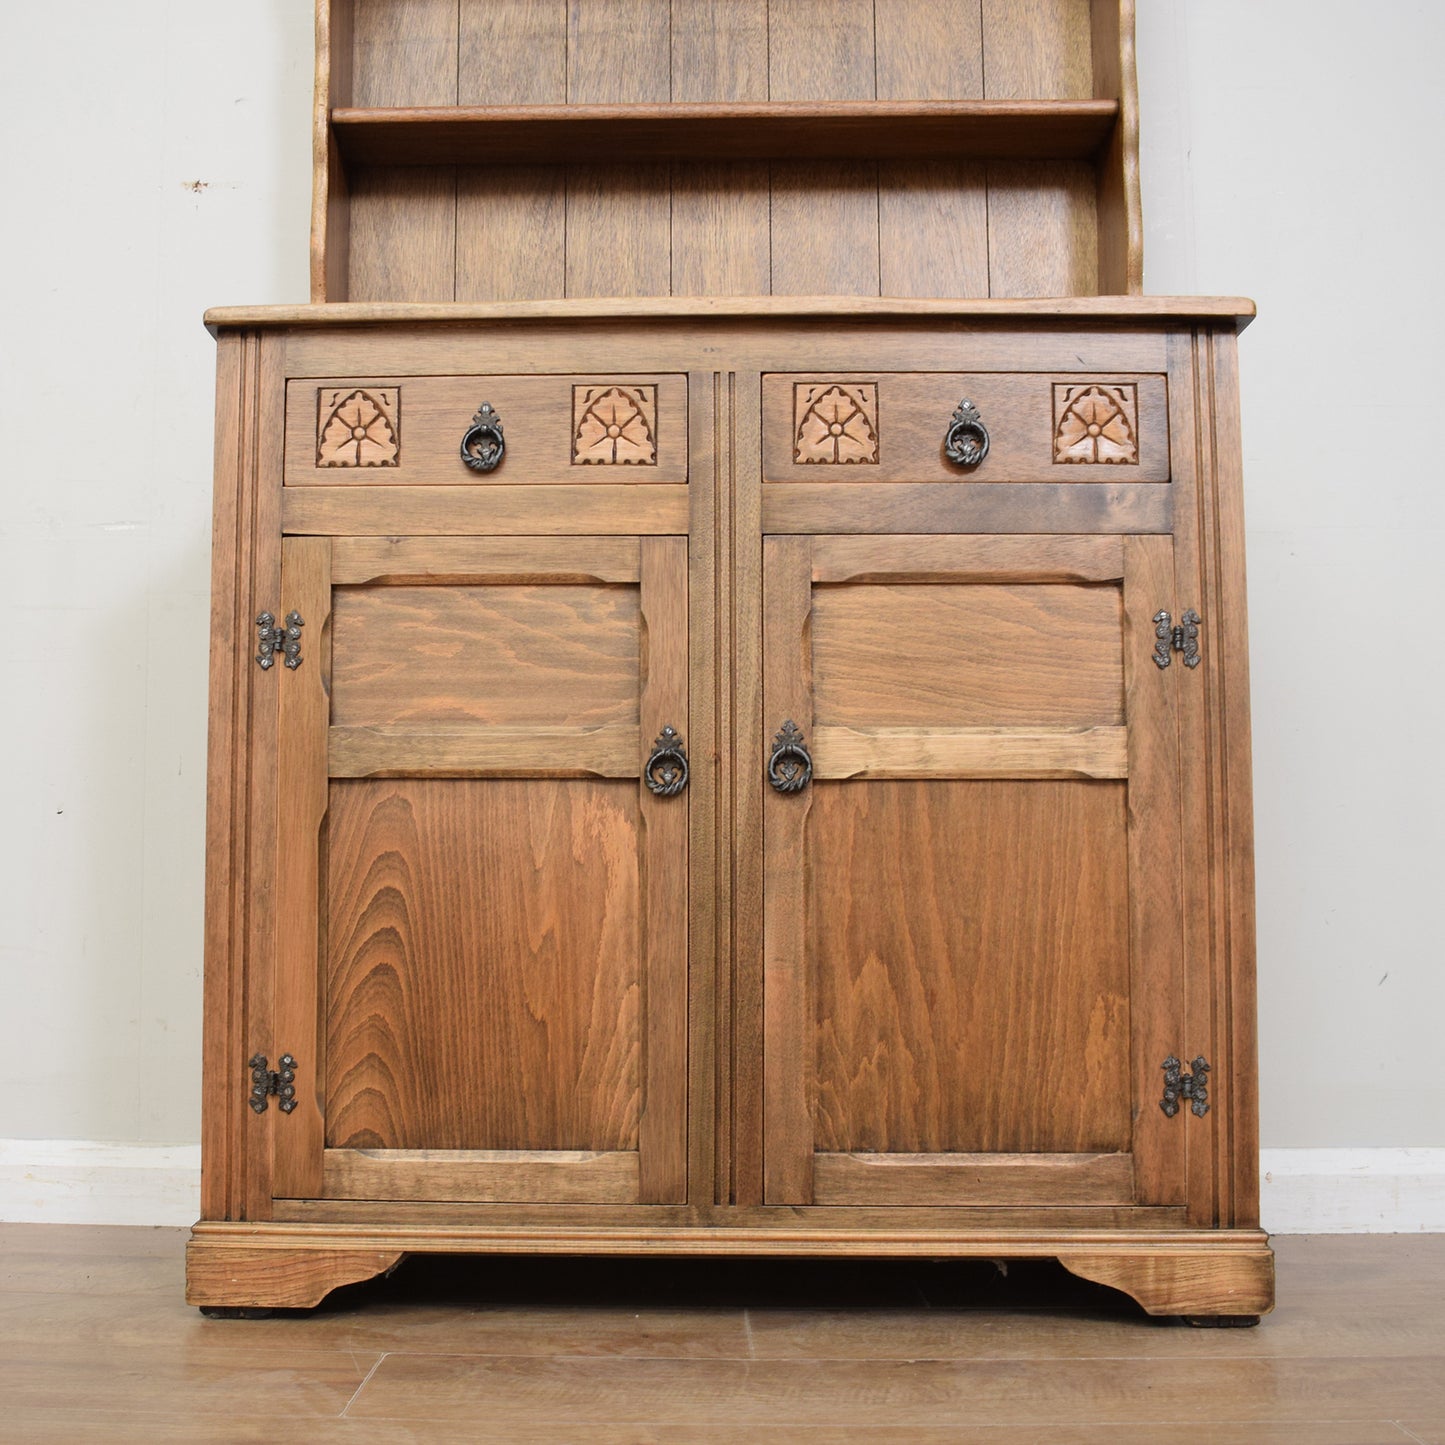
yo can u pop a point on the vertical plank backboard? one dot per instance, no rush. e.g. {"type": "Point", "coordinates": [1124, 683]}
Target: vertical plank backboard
{"type": "Point", "coordinates": [789, 1031]}
{"type": "Point", "coordinates": [720, 50]}
{"type": "Point", "coordinates": [301, 777]}
{"type": "Point", "coordinates": [619, 230]}
{"type": "Point", "coordinates": [932, 229]}
{"type": "Point", "coordinates": [1156, 983]}
{"type": "Point", "coordinates": [663, 1126]}
{"type": "Point", "coordinates": [824, 214]}
{"type": "Point", "coordinates": [405, 52]}
{"type": "Point", "coordinates": [511, 220]}
{"type": "Point", "coordinates": [932, 215]}
{"type": "Point", "coordinates": [511, 224]}
{"type": "Point", "coordinates": [1041, 228]}
{"type": "Point", "coordinates": [929, 50]}
{"type": "Point", "coordinates": [512, 52]}
{"type": "Point", "coordinates": [403, 233]}
{"type": "Point", "coordinates": [1037, 49]}
{"type": "Point", "coordinates": [619, 52]}
{"type": "Point", "coordinates": [721, 237]}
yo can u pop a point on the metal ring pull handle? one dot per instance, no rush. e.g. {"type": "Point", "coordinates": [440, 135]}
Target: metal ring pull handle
{"type": "Point", "coordinates": [483, 445]}
{"type": "Point", "coordinates": [966, 443]}
{"type": "Point", "coordinates": [790, 768]}
{"type": "Point", "coordinates": [666, 769]}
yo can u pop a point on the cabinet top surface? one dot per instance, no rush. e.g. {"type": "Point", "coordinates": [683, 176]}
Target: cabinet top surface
{"type": "Point", "coordinates": [769, 308]}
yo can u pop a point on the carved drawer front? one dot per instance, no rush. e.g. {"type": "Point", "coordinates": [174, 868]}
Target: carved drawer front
{"type": "Point", "coordinates": [901, 427]}
{"type": "Point", "coordinates": [413, 431]}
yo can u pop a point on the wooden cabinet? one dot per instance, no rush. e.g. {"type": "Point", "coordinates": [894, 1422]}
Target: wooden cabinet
{"type": "Point", "coordinates": [729, 825]}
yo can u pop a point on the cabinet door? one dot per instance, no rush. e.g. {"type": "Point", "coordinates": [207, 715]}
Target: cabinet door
{"type": "Point", "coordinates": [482, 904]}
{"type": "Point", "coordinates": [971, 917]}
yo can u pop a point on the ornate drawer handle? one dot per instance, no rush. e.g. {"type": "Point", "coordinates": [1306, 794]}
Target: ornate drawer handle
{"type": "Point", "coordinates": [966, 443]}
{"type": "Point", "coordinates": [483, 446]}
{"type": "Point", "coordinates": [666, 769]}
{"type": "Point", "coordinates": [790, 768]}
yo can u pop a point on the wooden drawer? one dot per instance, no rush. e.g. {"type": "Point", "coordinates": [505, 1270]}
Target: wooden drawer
{"type": "Point", "coordinates": [852, 427]}
{"type": "Point", "coordinates": [407, 431]}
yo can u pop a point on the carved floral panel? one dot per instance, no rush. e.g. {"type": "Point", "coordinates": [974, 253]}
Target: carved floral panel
{"type": "Point", "coordinates": [359, 427]}
{"type": "Point", "coordinates": [614, 426]}
{"type": "Point", "coordinates": [836, 422]}
{"type": "Point", "coordinates": [1096, 423]}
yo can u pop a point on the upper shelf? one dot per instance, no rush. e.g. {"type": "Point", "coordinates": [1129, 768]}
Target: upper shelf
{"type": "Point", "coordinates": [828, 130]}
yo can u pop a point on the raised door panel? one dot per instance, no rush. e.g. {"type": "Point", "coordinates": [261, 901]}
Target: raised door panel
{"type": "Point", "coordinates": [483, 950]}
{"type": "Point", "coordinates": [971, 912]}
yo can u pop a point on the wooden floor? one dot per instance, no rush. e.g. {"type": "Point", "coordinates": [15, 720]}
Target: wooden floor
{"type": "Point", "coordinates": [95, 1344]}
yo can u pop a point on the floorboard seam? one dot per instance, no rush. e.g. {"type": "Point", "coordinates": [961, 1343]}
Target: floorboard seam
{"type": "Point", "coordinates": [346, 1410]}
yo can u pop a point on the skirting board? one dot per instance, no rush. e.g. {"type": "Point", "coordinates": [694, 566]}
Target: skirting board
{"type": "Point", "coordinates": [1303, 1191]}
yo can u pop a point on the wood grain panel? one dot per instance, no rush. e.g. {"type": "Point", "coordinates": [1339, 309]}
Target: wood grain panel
{"type": "Point", "coordinates": [405, 52]}
{"type": "Point", "coordinates": [505, 656]}
{"type": "Point", "coordinates": [932, 215]}
{"type": "Point", "coordinates": [618, 51]}
{"type": "Point", "coordinates": [663, 703]}
{"type": "Point", "coordinates": [478, 752]}
{"type": "Point", "coordinates": [1156, 936]}
{"type": "Point", "coordinates": [512, 52]}
{"type": "Point", "coordinates": [929, 50]}
{"type": "Point", "coordinates": [510, 224]}
{"type": "Point", "coordinates": [824, 215]}
{"type": "Point", "coordinates": [619, 230]}
{"type": "Point", "coordinates": [553, 1176]}
{"type": "Point", "coordinates": [820, 50]}
{"type": "Point", "coordinates": [914, 409]}
{"type": "Point", "coordinates": [483, 965]}
{"type": "Point", "coordinates": [1042, 229]}
{"type": "Point", "coordinates": [967, 656]}
{"type": "Point", "coordinates": [932, 228]}
{"type": "Point", "coordinates": [959, 559]}
{"type": "Point", "coordinates": [504, 511]}
{"type": "Point", "coordinates": [972, 1179]}
{"type": "Point", "coordinates": [969, 753]}
{"type": "Point", "coordinates": [1028, 507]}
{"type": "Point", "coordinates": [510, 232]}
{"type": "Point", "coordinates": [825, 229]}
{"type": "Point", "coordinates": [788, 1076]}
{"type": "Point", "coordinates": [1038, 48]}
{"type": "Point", "coordinates": [303, 708]}
{"type": "Point", "coordinates": [403, 233]}
{"type": "Point", "coordinates": [968, 945]}
{"type": "Point", "coordinates": [476, 560]}
{"type": "Point", "coordinates": [720, 50]}
{"type": "Point", "coordinates": [721, 229]}
{"type": "Point", "coordinates": [539, 415]}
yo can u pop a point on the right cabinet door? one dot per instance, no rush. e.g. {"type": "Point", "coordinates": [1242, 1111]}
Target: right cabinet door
{"type": "Point", "coordinates": [972, 924]}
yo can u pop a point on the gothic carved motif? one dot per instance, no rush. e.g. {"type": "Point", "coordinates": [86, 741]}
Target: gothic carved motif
{"type": "Point", "coordinates": [359, 427]}
{"type": "Point", "coordinates": [836, 422]}
{"type": "Point", "coordinates": [1096, 423]}
{"type": "Point", "coordinates": [614, 426]}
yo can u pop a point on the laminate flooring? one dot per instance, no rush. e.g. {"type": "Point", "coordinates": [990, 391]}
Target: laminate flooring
{"type": "Point", "coordinates": [96, 1345]}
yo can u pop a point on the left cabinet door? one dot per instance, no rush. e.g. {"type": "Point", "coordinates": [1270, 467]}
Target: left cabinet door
{"type": "Point", "coordinates": [481, 963]}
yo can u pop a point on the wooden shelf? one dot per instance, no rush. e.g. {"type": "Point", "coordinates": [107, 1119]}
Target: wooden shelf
{"type": "Point", "coordinates": [837, 130]}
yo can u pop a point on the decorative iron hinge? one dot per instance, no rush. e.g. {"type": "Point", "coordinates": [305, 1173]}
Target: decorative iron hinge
{"type": "Point", "coordinates": [285, 640]}
{"type": "Point", "coordinates": [1183, 638]}
{"type": "Point", "coordinates": [1179, 1085]}
{"type": "Point", "coordinates": [265, 1082]}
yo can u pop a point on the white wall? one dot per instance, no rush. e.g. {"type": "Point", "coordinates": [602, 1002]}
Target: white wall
{"type": "Point", "coordinates": [156, 161]}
